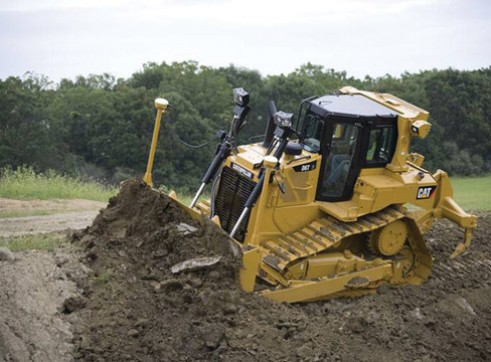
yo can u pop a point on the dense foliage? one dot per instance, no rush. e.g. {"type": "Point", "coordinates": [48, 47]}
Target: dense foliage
{"type": "Point", "coordinates": [101, 127]}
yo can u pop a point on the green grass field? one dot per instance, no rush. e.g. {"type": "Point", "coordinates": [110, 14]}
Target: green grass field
{"type": "Point", "coordinates": [34, 242]}
{"type": "Point", "coordinates": [25, 184]}
{"type": "Point", "coordinates": [473, 193]}
{"type": "Point", "coordinates": [29, 212]}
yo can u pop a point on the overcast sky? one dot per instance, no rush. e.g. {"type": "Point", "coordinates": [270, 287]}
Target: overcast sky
{"type": "Point", "coordinates": [66, 38]}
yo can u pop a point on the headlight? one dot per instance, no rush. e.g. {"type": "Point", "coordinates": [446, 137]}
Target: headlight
{"type": "Point", "coordinates": [241, 97]}
{"type": "Point", "coordinates": [283, 119]}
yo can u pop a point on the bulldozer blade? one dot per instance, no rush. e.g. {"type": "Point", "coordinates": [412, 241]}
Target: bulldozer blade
{"type": "Point", "coordinates": [251, 258]}
{"type": "Point", "coordinates": [304, 291]}
{"type": "Point", "coordinates": [196, 215]}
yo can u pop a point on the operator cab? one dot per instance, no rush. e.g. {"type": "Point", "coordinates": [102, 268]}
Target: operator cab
{"type": "Point", "coordinates": [351, 132]}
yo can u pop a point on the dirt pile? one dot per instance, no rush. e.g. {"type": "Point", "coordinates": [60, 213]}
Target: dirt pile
{"type": "Point", "coordinates": [136, 308]}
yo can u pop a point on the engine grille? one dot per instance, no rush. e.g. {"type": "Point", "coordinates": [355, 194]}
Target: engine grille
{"type": "Point", "coordinates": [233, 192]}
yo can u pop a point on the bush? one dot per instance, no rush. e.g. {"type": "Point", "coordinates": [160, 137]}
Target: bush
{"type": "Point", "coordinates": [25, 183]}
{"type": "Point", "coordinates": [460, 162]}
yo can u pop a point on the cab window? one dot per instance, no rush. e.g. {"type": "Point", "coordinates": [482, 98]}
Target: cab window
{"type": "Point", "coordinates": [381, 145]}
{"type": "Point", "coordinates": [312, 136]}
{"type": "Point", "coordinates": [339, 160]}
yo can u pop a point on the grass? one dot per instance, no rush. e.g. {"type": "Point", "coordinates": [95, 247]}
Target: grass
{"type": "Point", "coordinates": [24, 213]}
{"type": "Point", "coordinates": [33, 242]}
{"type": "Point", "coordinates": [26, 184]}
{"type": "Point", "coordinates": [103, 278]}
{"type": "Point", "coordinates": [472, 193]}
{"type": "Point", "coordinates": [186, 198]}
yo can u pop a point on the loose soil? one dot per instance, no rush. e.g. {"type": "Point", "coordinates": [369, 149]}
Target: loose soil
{"type": "Point", "coordinates": [112, 296]}
{"type": "Point", "coordinates": [138, 310]}
{"type": "Point", "coordinates": [34, 288]}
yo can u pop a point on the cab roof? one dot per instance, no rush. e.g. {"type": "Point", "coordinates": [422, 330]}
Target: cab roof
{"type": "Point", "coordinates": [347, 105]}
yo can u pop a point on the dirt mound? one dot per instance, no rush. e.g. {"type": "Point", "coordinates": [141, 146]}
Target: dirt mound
{"type": "Point", "coordinates": [136, 308]}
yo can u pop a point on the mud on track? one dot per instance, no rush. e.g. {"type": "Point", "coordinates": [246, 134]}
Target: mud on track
{"type": "Point", "coordinates": [138, 310]}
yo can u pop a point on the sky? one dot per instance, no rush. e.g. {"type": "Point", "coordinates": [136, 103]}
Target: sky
{"type": "Point", "coordinates": [68, 38]}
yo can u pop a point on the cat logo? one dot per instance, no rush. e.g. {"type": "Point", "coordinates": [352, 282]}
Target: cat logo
{"type": "Point", "coordinates": [425, 192]}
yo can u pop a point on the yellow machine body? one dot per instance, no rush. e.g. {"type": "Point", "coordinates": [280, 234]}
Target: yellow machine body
{"type": "Point", "coordinates": [301, 246]}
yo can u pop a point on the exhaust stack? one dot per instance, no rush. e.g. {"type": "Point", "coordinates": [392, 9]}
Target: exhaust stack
{"type": "Point", "coordinates": [270, 126]}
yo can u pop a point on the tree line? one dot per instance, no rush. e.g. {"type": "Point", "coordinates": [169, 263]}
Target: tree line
{"type": "Point", "coordinates": [100, 127]}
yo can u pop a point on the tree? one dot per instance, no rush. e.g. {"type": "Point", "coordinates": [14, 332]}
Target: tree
{"type": "Point", "coordinates": [101, 126]}
{"type": "Point", "coordinates": [27, 134]}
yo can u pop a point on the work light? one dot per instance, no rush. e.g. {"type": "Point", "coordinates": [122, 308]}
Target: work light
{"type": "Point", "coordinates": [241, 97]}
{"type": "Point", "coordinates": [283, 119]}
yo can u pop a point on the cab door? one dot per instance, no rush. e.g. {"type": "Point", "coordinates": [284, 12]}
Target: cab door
{"type": "Point", "coordinates": [340, 166]}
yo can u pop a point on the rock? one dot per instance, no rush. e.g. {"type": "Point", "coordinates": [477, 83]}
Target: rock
{"type": "Point", "coordinates": [155, 285]}
{"type": "Point", "coordinates": [230, 308]}
{"type": "Point", "coordinates": [133, 333]}
{"type": "Point", "coordinates": [185, 229]}
{"type": "Point", "coordinates": [195, 263]}
{"type": "Point", "coordinates": [464, 304]}
{"type": "Point", "coordinates": [357, 324]}
{"type": "Point", "coordinates": [416, 313]}
{"type": "Point", "coordinates": [6, 255]}
{"type": "Point", "coordinates": [213, 335]}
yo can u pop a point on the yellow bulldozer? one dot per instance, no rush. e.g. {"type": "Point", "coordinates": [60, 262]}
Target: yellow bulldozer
{"type": "Point", "coordinates": [330, 204]}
